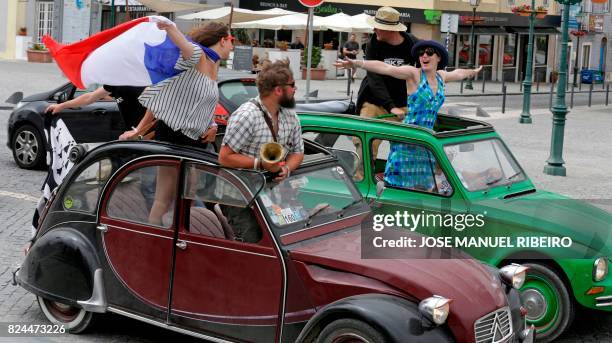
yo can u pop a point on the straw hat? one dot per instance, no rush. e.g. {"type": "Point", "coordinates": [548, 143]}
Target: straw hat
{"type": "Point", "coordinates": [388, 19]}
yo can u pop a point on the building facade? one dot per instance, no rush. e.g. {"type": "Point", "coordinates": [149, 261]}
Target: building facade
{"type": "Point", "coordinates": [501, 35]}
{"type": "Point", "coordinates": [592, 50]}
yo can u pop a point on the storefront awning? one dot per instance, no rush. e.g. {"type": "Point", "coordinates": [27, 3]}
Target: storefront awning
{"type": "Point", "coordinates": [482, 30]}
{"type": "Point", "coordinates": [537, 31]}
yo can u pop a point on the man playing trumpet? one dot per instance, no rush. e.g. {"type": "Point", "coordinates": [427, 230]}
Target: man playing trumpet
{"type": "Point", "coordinates": [263, 133]}
{"type": "Point", "coordinates": [267, 118]}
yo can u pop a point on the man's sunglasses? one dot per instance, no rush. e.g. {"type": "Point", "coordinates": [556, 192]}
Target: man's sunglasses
{"type": "Point", "coordinates": [292, 84]}
{"type": "Point", "coordinates": [428, 51]}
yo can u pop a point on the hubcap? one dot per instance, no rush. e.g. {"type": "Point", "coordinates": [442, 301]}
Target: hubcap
{"type": "Point", "coordinates": [62, 312]}
{"type": "Point", "coordinates": [535, 303]}
{"type": "Point", "coordinates": [26, 147]}
{"type": "Point", "coordinates": [349, 338]}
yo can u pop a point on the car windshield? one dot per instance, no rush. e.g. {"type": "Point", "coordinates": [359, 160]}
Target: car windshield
{"type": "Point", "coordinates": [484, 164]}
{"type": "Point", "coordinates": [309, 198]}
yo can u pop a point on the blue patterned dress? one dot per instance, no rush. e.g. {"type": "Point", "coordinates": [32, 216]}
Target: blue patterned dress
{"type": "Point", "coordinates": [411, 166]}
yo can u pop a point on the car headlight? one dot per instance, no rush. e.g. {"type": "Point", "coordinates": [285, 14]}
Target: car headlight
{"type": "Point", "coordinates": [435, 308]}
{"type": "Point", "coordinates": [600, 269]}
{"type": "Point", "coordinates": [514, 275]}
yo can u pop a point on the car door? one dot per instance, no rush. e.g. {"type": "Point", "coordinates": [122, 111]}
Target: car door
{"type": "Point", "coordinates": [138, 244]}
{"type": "Point", "coordinates": [222, 286]}
{"type": "Point", "coordinates": [97, 122]}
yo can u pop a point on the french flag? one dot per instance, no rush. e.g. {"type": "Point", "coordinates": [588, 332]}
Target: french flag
{"type": "Point", "coordinates": [135, 53]}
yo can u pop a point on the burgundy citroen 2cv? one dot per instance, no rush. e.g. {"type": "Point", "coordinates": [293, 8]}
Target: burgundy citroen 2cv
{"type": "Point", "coordinates": [297, 274]}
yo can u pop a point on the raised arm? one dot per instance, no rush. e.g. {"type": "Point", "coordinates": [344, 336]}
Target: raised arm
{"type": "Point", "coordinates": [459, 74]}
{"type": "Point", "coordinates": [82, 100]}
{"type": "Point", "coordinates": [176, 36]}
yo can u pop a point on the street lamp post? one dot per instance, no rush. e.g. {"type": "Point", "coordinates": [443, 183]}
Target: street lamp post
{"type": "Point", "coordinates": [555, 162]}
{"type": "Point", "coordinates": [474, 51]}
{"type": "Point", "coordinates": [525, 115]}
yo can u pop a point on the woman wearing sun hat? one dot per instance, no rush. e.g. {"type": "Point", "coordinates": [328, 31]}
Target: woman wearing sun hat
{"type": "Point", "coordinates": [409, 166]}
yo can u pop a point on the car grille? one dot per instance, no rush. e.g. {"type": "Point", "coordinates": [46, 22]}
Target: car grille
{"type": "Point", "coordinates": [603, 301]}
{"type": "Point", "coordinates": [495, 327]}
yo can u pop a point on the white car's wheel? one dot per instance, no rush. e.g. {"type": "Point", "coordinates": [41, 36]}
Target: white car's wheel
{"type": "Point", "coordinates": [74, 319]}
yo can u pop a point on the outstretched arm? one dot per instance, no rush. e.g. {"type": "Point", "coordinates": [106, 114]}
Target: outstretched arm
{"type": "Point", "coordinates": [82, 100]}
{"type": "Point", "coordinates": [404, 72]}
{"type": "Point", "coordinates": [459, 74]}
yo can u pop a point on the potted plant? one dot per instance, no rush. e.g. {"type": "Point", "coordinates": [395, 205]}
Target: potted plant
{"type": "Point", "coordinates": [522, 10]}
{"type": "Point", "coordinates": [38, 53]}
{"type": "Point", "coordinates": [315, 72]}
{"type": "Point", "coordinates": [541, 12]}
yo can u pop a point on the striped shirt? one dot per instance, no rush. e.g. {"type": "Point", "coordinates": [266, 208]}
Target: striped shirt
{"type": "Point", "coordinates": [185, 102]}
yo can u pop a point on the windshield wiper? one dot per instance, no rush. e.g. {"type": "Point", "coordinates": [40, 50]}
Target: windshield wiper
{"type": "Point", "coordinates": [494, 181]}
{"type": "Point", "coordinates": [514, 175]}
{"type": "Point", "coordinates": [354, 202]}
{"type": "Point", "coordinates": [318, 209]}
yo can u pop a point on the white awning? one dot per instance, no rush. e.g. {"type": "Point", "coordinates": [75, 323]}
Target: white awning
{"type": "Point", "coordinates": [167, 6]}
{"type": "Point", "coordinates": [341, 22]}
{"type": "Point", "coordinates": [295, 21]}
{"type": "Point", "coordinates": [240, 14]}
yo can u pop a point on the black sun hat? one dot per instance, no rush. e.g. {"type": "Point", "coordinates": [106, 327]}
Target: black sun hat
{"type": "Point", "coordinates": [440, 50]}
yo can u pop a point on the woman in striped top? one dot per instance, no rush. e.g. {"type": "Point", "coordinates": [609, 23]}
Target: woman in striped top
{"type": "Point", "coordinates": [184, 104]}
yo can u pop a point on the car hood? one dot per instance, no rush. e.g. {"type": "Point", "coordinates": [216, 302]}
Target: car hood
{"type": "Point", "coordinates": [475, 291]}
{"type": "Point", "coordinates": [552, 214]}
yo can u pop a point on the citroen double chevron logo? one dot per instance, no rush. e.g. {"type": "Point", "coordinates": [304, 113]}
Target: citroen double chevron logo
{"type": "Point", "coordinates": [498, 333]}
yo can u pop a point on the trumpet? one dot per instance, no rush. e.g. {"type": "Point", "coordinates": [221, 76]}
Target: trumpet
{"type": "Point", "coordinates": [272, 152]}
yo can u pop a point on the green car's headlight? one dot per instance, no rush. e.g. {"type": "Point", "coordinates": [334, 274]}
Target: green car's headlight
{"type": "Point", "coordinates": [514, 275]}
{"type": "Point", "coordinates": [600, 269]}
{"type": "Point", "coordinates": [435, 308]}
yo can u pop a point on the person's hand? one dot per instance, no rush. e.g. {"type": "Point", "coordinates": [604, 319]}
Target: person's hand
{"type": "Point", "coordinates": [476, 71]}
{"type": "Point", "coordinates": [163, 23]}
{"type": "Point", "coordinates": [346, 63]}
{"type": "Point", "coordinates": [398, 112]}
{"type": "Point", "coordinates": [53, 108]}
{"type": "Point", "coordinates": [130, 134]}
{"type": "Point", "coordinates": [210, 134]}
{"type": "Point", "coordinates": [284, 172]}
{"type": "Point", "coordinates": [272, 167]}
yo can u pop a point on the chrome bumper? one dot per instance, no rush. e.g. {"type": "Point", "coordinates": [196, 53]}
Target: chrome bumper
{"type": "Point", "coordinates": [603, 301]}
{"type": "Point", "coordinates": [527, 335]}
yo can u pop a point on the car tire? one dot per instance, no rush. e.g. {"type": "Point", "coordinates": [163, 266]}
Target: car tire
{"type": "Point", "coordinates": [28, 147]}
{"type": "Point", "coordinates": [349, 330]}
{"type": "Point", "coordinates": [74, 319]}
{"type": "Point", "coordinates": [550, 306]}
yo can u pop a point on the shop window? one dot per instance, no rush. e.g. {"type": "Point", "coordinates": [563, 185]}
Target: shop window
{"type": "Point", "coordinates": [485, 49]}
{"type": "Point", "coordinates": [541, 49]}
{"type": "Point", "coordinates": [463, 47]}
{"type": "Point", "coordinates": [510, 51]}
{"type": "Point", "coordinates": [586, 56]}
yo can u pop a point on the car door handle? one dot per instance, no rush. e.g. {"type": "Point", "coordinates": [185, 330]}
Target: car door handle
{"type": "Point", "coordinates": [99, 112]}
{"type": "Point", "coordinates": [181, 245]}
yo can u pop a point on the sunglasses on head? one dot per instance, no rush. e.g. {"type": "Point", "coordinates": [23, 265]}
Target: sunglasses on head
{"type": "Point", "coordinates": [230, 38]}
{"type": "Point", "coordinates": [428, 51]}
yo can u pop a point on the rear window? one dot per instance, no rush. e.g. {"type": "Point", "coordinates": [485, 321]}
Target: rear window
{"type": "Point", "coordinates": [237, 92]}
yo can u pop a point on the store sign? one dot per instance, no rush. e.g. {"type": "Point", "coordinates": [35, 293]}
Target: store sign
{"type": "Point", "coordinates": [311, 3]}
{"type": "Point", "coordinates": [596, 23]}
{"type": "Point", "coordinates": [432, 16]}
{"type": "Point", "coordinates": [327, 9]}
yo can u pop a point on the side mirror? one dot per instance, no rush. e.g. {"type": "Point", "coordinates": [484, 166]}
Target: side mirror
{"type": "Point", "coordinates": [60, 97]}
{"type": "Point", "coordinates": [348, 159]}
{"type": "Point", "coordinates": [380, 188]}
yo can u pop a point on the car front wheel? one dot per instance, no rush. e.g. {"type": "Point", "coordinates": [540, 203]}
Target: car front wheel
{"type": "Point", "coordinates": [349, 331]}
{"type": "Point", "coordinates": [550, 307]}
{"type": "Point", "coordinates": [28, 147]}
{"type": "Point", "coordinates": [74, 319]}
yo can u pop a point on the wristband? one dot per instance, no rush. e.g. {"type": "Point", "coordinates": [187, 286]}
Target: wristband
{"type": "Point", "coordinates": [256, 163]}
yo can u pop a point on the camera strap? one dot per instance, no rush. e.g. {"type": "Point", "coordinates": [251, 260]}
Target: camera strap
{"type": "Point", "coordinates": [266, 118]}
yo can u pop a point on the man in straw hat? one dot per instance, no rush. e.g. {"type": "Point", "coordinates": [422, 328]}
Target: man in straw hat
{"type": "Point", "coordinates": [381, 94]}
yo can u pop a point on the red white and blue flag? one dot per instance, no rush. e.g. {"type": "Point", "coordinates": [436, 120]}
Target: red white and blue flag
{"type": "Point", "coordinates": [135, 53]}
